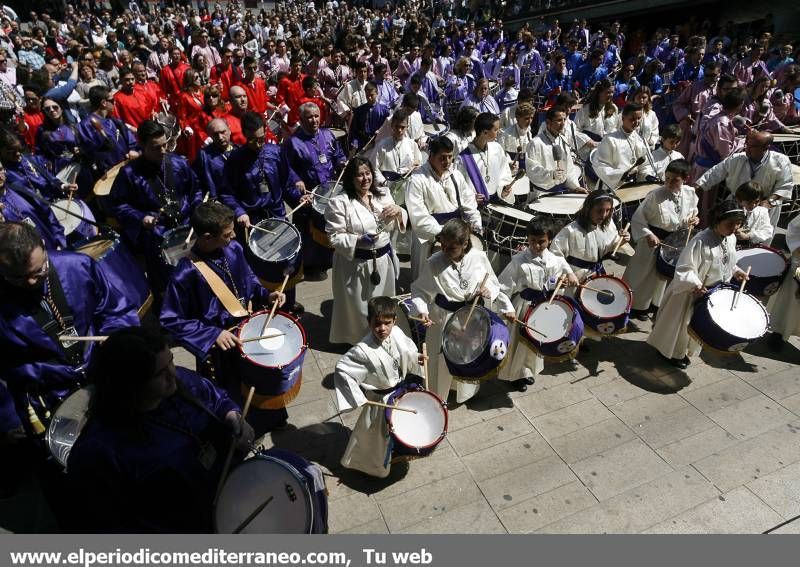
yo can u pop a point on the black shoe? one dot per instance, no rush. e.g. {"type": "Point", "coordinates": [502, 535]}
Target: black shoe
{"type": "Point", "coordinates": [520, 385]}
{"type": "Point", "coordinates": [529, 381]}
{"type": "Point", "coordinates": [775, 342]}
{"type": "Point", "coordinates": [297, 308]}
{"type": "Point", "coordinates": [680, 362]}
{"type": "Point", "coordinates": [640, 314]}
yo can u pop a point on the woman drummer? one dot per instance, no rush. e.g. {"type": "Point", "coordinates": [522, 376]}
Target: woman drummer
{"type": "Point", "coordinates": [151, 454]}
{"type": "Point", "coordinates": [708, 260]}
{"type": "Point", "coordinates": [449, 280]}
{"type": "Point", "coordinates": [358, 223]}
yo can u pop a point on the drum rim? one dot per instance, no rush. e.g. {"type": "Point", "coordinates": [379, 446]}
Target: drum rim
{"type": "Point", "coordinates": [534, 306]}
{"type": "Point", "coordinates": [775, 251]}
{"type": "Point", "coordinates": [302, 481]}
{"type": "Point", "coordinates": [443, 405]}
{"type": "Point", "coordinates": [496, 208]}
{"type": "Point", "coordinates": [601, 317]}
{"type": "Point", "coordinates": [728, 286]}
{"type": "Point", "coordinates": [295, 320]}
{"type": "Point", "coordinates": [89, 388]}
{"type": "Point", "coordinates": [452, 317]}
{"type": "Point", "coordinates": [328, 196]}
{"type": "Point", "coordinates": [282, 221]}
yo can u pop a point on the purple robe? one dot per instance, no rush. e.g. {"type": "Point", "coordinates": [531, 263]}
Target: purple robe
{"type": "Point", "coordinates": [367, 119]}
{"type": "Point", "coordinates": [19, 208]}
{"type": "Point", "coordinates": [32, 361]}
{"type": "Point", "coordinates": [32, 173]}
{"type": "Point", "coordinates": [243, 177]}
{"type": "Point", "coordinates": [301, 153]}
{"type": "Point", "coordinates": [107, 147]}
{"type": "Point", "coordinates": [58, 147]}
{"type": "Point", "coordinates": [209, 165]}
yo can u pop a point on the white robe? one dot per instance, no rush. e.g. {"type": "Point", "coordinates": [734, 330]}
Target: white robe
{"type": "Point", "coordinates": [460, 142]}
{"type": "Point", "coordinates": [784, 306]}
{"type": "Point", "coordinates": [353, 94]}
{"type": "Point", "coordinates": [658, 209]}
{"type": "Point", "coordinates": [591, 245]}
{"type": "Point", "coordinates": [759, 225]}
{"type": "Point", "coordinates": [615, 156]}
{"type": "Point", "coordinates": [345, 221]}
{"type": "Point", "coordinates": [577, 140]}
{"type": "Point", "coordinates": [599, 125]}
{"type": "Point", "coordinates": [648, 127]}
{"type": "Point", "coordinates": [426, 194]}
{"type": "Point", "coordinates": [439, 276]}
{"type": "Point", "coordinates": [364, 368]}
{"type": "Point", "coordinates": [661, 159]}
{"type": "Point", "coordinates": [494, 162]}
{"type": "Point", "coordinates": [514, 140]}
{"type": "Point", "coordinates": [527, 271]}
{"type": "Point", "coordinates": [398, 157]}
{"type": "Point", "coordinates": [700, 263]}
{"type": "Point", "coordinates": [542, 168]}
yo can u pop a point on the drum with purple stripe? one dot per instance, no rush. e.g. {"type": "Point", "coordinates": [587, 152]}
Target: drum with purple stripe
{"type": "Point", "coordinates": [725, 323]}
{"type": "Point", "coordinates": [474, 345]}
{"type": "Point", "coordinates": [554, 330]}
{"type": "Point", "coordinates": [668, 254]}
{"type": "Point", "coordinates": [419, 433]}
{"type": "Point", "coordinates": [605, 302]}
{"type": "Point", "coordinates": [767, 268]}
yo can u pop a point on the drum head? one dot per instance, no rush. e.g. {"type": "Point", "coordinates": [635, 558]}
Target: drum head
{"type": "Point", "coordinates": [762, 261]}
{"type": "Point", "coordinates": [676, 243]}
{"type": "Point", "coordinates": [521, 187]}
{"type": "Point", "coordinates": [553, 321]}
{"type": "Point", "coordinates": [635, 192]}
{"type": "Point", "coordinates": [565, 204]}
{"type": "Point", "coordinates": [274, 352]}
{"type": "Point", "coordinates": [328, 190]}
{"type": "Point", "coordinates": [500, 212]}
{"type": "Point", "coordinates": [613, 301]}
{"type": "Point", "coordinates": [748, 321]}
{"type": "Point", "coordinates": [424, 428]}
{"type": "Point", "coordinates": [68, 221]}
{"type": "Point", "coordinates": [103, 185]}
{"type": "Point", "coordinates": [174, 246]}
{"type": "Point", "coordinates": [338, 133]}
{"type": "Point", "coordinates": [464, 341]}
{"type": "Point", "coordinates": [254, 482]}
{"type": "Point", "coordinates": [283, 244]}
{"type": "Point", "coordinates": [67, 424]}
{"type": "Point", "coordinates": [433, 130]}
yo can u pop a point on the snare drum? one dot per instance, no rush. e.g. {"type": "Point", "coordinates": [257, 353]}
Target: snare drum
{"type": "Point", "coordinates": [274, 366]}
{"type": "Point", "coordinates": [717, 325]}
{"type": "Point", "coordinates": [561, 208]}
{"type": "Point", "coordinates": [559, 329]}
{"type": "Point", "coordinates": [323, 194]}
{"type": "Point", "coordinates": [494, 88]}
{"type": "Point", "coordinates": [293, 488]}
{"type": "Point", "coordinates": [632, 194]}
{"type": "Point", "coordinates": [506, 229]}
{"type": "Point", "coordinates": [788, 144]}
{"type": "Point", "coordinates": [74, 227]}
{"type": "Point", "coordinates": [174, 245]}
{"type": "Point", "coordinates": [474, 349]}
{"type": "Point", "coordinates": [413, 329]}
{"type": "Point", "coordinates": [667, 256]}
{"type": "Point", "coordinates": [67, 424]}
{"type": "Point", "coordinates": [434, 130]}
{"type": "Point", "coordinates": [103, 185]}
{"type": "Point", "coordinates": [768, 266]}
{"type": "Point", "coordinates": [273, 255]}
{"type": "Point", "coordinates": [340, 135]}
{"type": "Point", "coordinates": [119, 267]}
{"type": "Point", "coordinates": [607, 307]}
{"type": "Point", "coordinates": [397, 185]}
{"type": "Point", "coordinates": [418, 433]}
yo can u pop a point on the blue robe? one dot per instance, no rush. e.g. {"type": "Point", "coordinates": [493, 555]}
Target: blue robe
{"type": "Point", "coordinates": [687, 72]}
{"type": "Point", "coordinates": [367, 119]}
{"type": "Point", "coordinates": [32, 173]}
{"type": "Point", "coordinates": [17, 207]}
{"type": "Point", "coordinates": [242, 178]}
{"type": "Point", "coordinates": [586, 76]}
{"type": "Point", "coordinates": [552, 81]}
{"type": "Point", "coordinates": [208, 166]}
{"type": "Point", "coordinates": [144, 475]}
{"type": "Point", "coordinates": [32, 362]}
{"type": "Point", "coordinates": [108, 147]}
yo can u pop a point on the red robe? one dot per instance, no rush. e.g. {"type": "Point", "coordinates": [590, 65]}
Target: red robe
{"type": "Point", "coordinates": [171, 81]}
{"type": "Point", "coordinates": [152, 91]}
{"type": "Point", "coordinates": [33, 120]}
{"type": "Point", "coordinates": [256, 94]}
{"type": "Point", "coordinates": [191, 115]}
{"type": "Point", "coordinates": [290, 91]}
{"type": "Point", "coordinates": [133, 108]}
{"type": "Point", "coordinates": [224, 78]}
{"type": "Point", "coordinates": [237, 136]}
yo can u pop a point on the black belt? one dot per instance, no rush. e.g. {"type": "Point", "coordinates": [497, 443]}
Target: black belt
{"type": "Point", "coordinates": [448, 305]}
{"type": "Point", "coordinates": [370, 253]}
{"type": "Point", "coordinates": [659, 232]}
{"type": "Point", "coordinates": [586, 264]}
{"type": "Point", "coordinates": [530, 294]}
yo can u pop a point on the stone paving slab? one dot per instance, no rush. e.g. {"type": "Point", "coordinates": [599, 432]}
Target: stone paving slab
{"type": "Point", "coordinates": [546, 508]}
{"type": "Point", "coordinates": [780, 489]}
{"type": "Point", "coordinates": [591, 440]}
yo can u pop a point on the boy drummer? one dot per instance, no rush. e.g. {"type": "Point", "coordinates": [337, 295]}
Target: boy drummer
{"type": "Point", "coordinates": [371, 371]}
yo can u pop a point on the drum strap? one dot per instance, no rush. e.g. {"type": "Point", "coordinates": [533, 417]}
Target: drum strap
{"type": "Point", "coordinates": [220, 290]}
{"type": "Point", "coordinates": [56, 319]}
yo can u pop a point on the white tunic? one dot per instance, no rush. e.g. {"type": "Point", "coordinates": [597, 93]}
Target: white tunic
{"type": "Point", "coordinates": [460, 141]}
{"type": "Point", "coordinates": [345, 221]}
{"type": "Point", "coordinates": [527, 271]}
{"type": "Point", "coordinates": [577, 140]}
{"type": "Point", "coordinates": [367, 367]}
{"type": "Point", "coordinates": [542, 168]}
{"type": "Point", "coordinates": [784, 307]}
{"type": "Point", "coordinates": [648, 127]}
{"type": "Point", "coordinates": [397, 157]}
{"type": "Point", "coordinates": [759, 225]}
{"type": "Point", "coordinates": [662, 159]}
{"type": "Point", "coordinates": [591, 245]}
{"type": "Point", "coordinates": [492, 163]}
{"type": "Point", "coordinates": [615, 156]}
{"type": "Point", "coordinates": [659, 209]}
{"type": "Point", "coordinates": [353, 94]}
{"type": "Point", "coordinates": [702, 262]}
{"type": "Point", "coordinates": [600, 125]}
{"type": "Point", "coordinates": [440, 276]}
{"type": "Point", "coordinates": [514, 140]}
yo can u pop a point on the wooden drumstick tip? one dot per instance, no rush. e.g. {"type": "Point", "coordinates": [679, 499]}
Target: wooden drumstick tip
{"type": "Point", "coordinates": [555, 291]}
{"type": "Point", "coordinates": [425, 365]}
{"type": "Point", "coordinates": [621, 239]}
{"type": "Point", "coordinates": [389, 406]}
{"type": "Point", "coordinates": [261, 229]}
{"type": "Point", "coordinates": [741, 288]}
{"type": "Point", "coordinates": [477, 297]}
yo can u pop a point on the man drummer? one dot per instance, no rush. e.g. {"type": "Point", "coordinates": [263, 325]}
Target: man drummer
{"type": "Point", "coordinates": [371, 371]}
{"type": "Point", "coordinates": [212, 157]}
{"type": "Point", "coordinates": [152, 194]}
{"type": "Point", "coordinates": [484, 164]}
{"type": "Point", "coordinates": [197, 311]}
{"type": "Point", "coordinates": [624, 152]}
{"type": "Point", "coordinates": [23, 207]}
{"type": "Point", "coordinates": [152, 452]}
{"type": "Point", "coordinates": [28, 171]}
{"type": "Point", "coordinates": [548, 158]}
{"type": "Point", "coordinates": [435, 194]}
{"type": "Point", "coordinates": [515, 137]}
{"type": "Point", "coordinates": [398, 154]}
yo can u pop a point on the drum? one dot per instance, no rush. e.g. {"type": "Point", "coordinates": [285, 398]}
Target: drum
{"type": "Point", "coordinates": [767, 268]}
{"type": "Point", "coordinates": [120, 268]}
{"type": "Point", "coordinates": [276, 252]}
{"type": "Point", "coordinates": [413, 329]}
{"type": "Point", "coordinates": [397, 186]}
{"type": "Point", "coordinates": [521, 190]}
{"type": "Point", "coordinates": [474, 349]}
{"type": "Point", "coordinates": [607, 306]}
{"type": "Point", "coordinates": [74, 227]}
{"type": "Point", "coordinates": [434, 130]}
{"type": "Point", "coordinates": [494, 88]}
{"type": "Point", "coordinates": [667, 256]}
{"type": "Point", "coordinates": [340, 135]}
{"type": "Point", "coordinates": [323, 194]}
{"type": "Point", "coordinates": [174, 246]}
{"type": "Point", "coordinates": [531, 80]}
{"type": "Point", "coordinates": [560, 208]}
{"type": "Point", "coordinates": [274, 366]}
{"type": "Point", "coordinates": [788, 144]}
{"type": "Point", "coordinates": [716, 324]}
{"type": "Point", "coordinates": [632, 194]}
{"type": "Point", "coordinates": [506, 229]}
{"type": "Point", "coordinates": [67, 424]}
{"type": "Point", "coordinates": [103, 185]}
{"type": "Point", "coordinates": [292, 488]}
{"type": "Point", "coordinates": [559, 329]}
{"type": "Point", "coordinates": [419, 433]}
{"type": "Point", "coordinates": [276, 127]}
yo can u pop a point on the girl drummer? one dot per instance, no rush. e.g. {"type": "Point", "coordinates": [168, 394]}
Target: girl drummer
{"type": "Point", "coordinates": [708, 260]}
{"type": "Point", "coordinates": [664, 211]}
{"type": "Point", "coordinates": [528, 279]}
{"type": "Point", "coordinates": [449, 280]}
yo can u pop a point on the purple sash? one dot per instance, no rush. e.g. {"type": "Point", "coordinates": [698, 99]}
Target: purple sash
{"type": "Point", "coordinates": [473, 173]}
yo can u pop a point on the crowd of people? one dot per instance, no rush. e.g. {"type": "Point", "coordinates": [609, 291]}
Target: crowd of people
{"type": "Point", "coordinates": [171, 171]}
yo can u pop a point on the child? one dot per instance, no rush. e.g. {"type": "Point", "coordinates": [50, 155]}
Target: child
{"type": "Point", "coordinates": [784, 307]}
{"type": "Point", "coordinates": [372, 370]}
{"type": "Point", "coordinates": [757, 228]}
{"type": "Point", "coordinates": [709, 259]}
{"type": "Point", "coordinates": [449, 280]}
{"type": "Point", "coordinates": [666, 152]}
{"type": "Point", "coordinates": [664, 211]}
{"type": "Point", "coordinates": [528, 279]}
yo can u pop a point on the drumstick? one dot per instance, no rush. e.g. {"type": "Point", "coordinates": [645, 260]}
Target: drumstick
{"type": "Point", "coordinates": [688, 234]}
{"type": "Point", "coordinates": [597, 290]}
{"type": "Point", "coordinates": [252, 515]}
{"type": "Point", "coordinates": [364, 147]}
{"type": "Point", "coordinates": [253, 339]}
{"type": "Point", "coordinates": [275, 305]}
{"type": "Point", "coordinates": [191, 230]}
{"type": "Point", "coordinates": [524, 324]}
{"type": "Point", "coordinates": [256, 227]}
{"type": "Point", "coordinates": [232, 448]}
{"type": "Point", "coordinates": [89, 339]}
{"type": "Point", "coordinates": [621, 239]}
{"type": "Point", "coordinates": [387, 406]}
{"type": "Point", "coordinates": [290, 213]}
{"type": "Point", "coordinates": [425, 365]}
{"type": "Point", "coordinates": [477, 297]}
{"type": "Point", "coordinates": [420, 319]}
{"type": "Point", "coordinates": [741, 288]}
{"type": "Point", "coordinates": [555, 291]}
{"type": "Point", "coordinates": [668, 246]}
